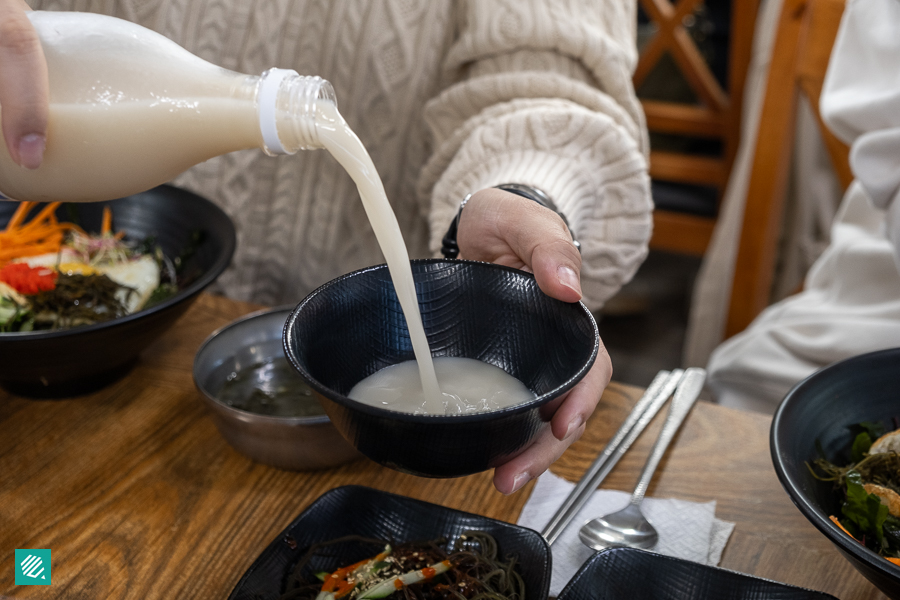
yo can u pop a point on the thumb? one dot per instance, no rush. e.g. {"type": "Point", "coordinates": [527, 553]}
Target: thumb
{"type": "Point", "coordinates": [541, 238]}
{"type": "Point", "coordinates": [557, 267]}
{"type": "Point", "coordinates": [24, 93]}
{"type": "Point", "coordinates": [505, 228]}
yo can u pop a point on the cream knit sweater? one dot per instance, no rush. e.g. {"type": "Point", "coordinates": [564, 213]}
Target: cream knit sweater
{"type": "Point", "coordinates": [448, 97]}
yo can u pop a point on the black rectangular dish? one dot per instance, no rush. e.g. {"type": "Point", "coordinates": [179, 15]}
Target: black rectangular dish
{"type": "Point", "coordinates": [362, 511]}
{"type": "Point", "coordinates": [628, 573]}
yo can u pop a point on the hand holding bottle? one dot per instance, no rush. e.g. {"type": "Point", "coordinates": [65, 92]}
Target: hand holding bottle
{"type": "Point", "coordinates": [24, 93]}
{"type": "Point", "coordinates": [128, 108]}
{"type": "Point", "coordinates": [162, 110]}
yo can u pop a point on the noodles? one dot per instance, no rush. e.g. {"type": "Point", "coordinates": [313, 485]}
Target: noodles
{"type": "Point", "coordinates": [470, 569]}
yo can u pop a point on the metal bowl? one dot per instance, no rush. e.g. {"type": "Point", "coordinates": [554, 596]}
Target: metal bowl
{"type": "Point", "coordinates": [249, 350]}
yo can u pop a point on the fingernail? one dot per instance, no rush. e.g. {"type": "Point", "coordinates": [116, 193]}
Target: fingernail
{"type": "Point", "coordinates": [569, 278]}
{"type": "Point", "coordinates": [31, 150]}
{"type": "Point", "coordinates": [574, 424]}
{"type": "Point", "coordinates": [520, 480]}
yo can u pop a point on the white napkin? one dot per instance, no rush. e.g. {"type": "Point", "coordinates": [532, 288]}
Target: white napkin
{"type": "Point", "coordinates": [687, 530]}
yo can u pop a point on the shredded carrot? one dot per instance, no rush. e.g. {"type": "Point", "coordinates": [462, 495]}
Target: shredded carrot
{"type": "Point", "coordinates": [896, 561]}
{"type": "Point", "coordinates": [106, 227]}
{"type": "Point", "coordinates": [47, 214]}
{"type": "Point", "coordinates": [19, 215]}
{"type": "Point", "coordinates": [37, 236]}
{"type": "Point", "coordinates": [834, 520]}
{"type": "Point", "coordinates": [333, 582]}
{"type": "Point", "coordinates": [41, 235]}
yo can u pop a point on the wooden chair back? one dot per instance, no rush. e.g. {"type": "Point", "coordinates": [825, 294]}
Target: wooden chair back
{"type": "Point", "coordinates": [715, 116]}
{"type": "Point", "coordinates": [802, 48]}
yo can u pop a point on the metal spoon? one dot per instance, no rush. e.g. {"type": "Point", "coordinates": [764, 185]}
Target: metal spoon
{"type": "Point", "coordinates": [655, 396]}
{"type": "Point", "coordinates": [629, 526]}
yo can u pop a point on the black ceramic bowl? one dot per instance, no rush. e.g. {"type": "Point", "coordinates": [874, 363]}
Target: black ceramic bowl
{"type": "Point", "coordinates": [628, 573]}
{"type": "Point", "coordinates": [353, 326]}
{"type": "Point", "coordinates": [820, 410]}
{"type": "Point", "coordinates": [361, 511]}
{"type": "Point", "coordinates": [77, 360]}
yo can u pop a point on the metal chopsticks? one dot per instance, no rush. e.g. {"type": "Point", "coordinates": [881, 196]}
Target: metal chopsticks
{"type": "Point", "coordinates": [656, 395]}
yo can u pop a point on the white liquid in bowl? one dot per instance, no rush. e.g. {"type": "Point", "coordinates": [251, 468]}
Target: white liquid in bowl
{"type": "Point", "coordinates": [468, 386]}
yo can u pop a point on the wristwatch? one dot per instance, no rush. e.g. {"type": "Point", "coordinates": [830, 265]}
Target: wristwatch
{"type": "Point", "coordinates": [449, 246]}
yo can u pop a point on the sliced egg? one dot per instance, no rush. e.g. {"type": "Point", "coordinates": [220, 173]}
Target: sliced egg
{"type": "Point", "coordinates": [51, 259]}
{"type": "Point", "coordinates": [75, 268]}
{"type": "Point", "coordinates": [140, 274]}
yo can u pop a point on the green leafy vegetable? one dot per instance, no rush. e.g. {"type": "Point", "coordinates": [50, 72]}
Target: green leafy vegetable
{"type": "Point", "coordinates": [866, 433]}
{"type": "Point", "coordinates": [80, 299]}
{"type": "Point", "coordinates": [862, 509]}
{"type": "Point", "coordinates": [14, 317]}
{"type": "Point", "coordinates": [863, 515]}
{"type": "Point", "coordinates": [162, 293]}
{"type": "Point", "coordinates": [861, 445]}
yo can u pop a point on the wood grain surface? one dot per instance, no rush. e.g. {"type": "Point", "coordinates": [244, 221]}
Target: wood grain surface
{"type": "Point", "coordinates": [138, 496]}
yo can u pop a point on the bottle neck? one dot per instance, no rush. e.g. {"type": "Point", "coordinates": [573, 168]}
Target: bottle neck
{"type": "Point", "coordinates": [288, 106]}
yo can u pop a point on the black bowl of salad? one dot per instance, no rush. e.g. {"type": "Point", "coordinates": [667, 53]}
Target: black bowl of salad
{"type": "Point", "coordinates": [836, 450]}
{"type": "Point", "coordinates": [85, 287]}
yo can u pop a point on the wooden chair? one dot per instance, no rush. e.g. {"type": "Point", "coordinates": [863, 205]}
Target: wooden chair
{"type": "Point", "coordinates": [802, 47]}
{"type": "Point", "coordinates": [715, 116]}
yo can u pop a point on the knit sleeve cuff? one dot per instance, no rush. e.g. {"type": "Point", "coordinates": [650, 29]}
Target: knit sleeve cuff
{"type": "Point", "coordinates": [589, 165]}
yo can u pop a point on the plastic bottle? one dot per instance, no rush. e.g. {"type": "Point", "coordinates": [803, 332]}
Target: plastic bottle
{"type": "Point", "coordinates": [131, 109]}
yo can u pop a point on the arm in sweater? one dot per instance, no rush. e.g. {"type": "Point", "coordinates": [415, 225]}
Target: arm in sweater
{"type": "Point", "coordinates": [541, 94]}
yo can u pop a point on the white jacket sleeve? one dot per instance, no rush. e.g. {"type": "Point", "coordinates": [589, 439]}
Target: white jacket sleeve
{"type": "Point", "coordinates": [861, 101]}
{"type": "Point", "coordinates": [542, 95]}
{"type": "Point", "coordinates": [850, 303]}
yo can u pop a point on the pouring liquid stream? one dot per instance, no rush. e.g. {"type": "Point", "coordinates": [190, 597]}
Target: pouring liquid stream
{"type": "Point", "coordinates": [348, 150]}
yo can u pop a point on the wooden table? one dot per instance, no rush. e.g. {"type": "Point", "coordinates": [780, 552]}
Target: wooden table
{"type": "Point", "coordinates": [138, 496]}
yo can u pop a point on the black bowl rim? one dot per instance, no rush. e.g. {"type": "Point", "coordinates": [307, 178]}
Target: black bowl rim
{"type": "Point", "coordinates": [813, 513]}
{"type": "Point", "coordinates": [210, 275]}
{"type": "Point", "coordinates": [430, 419]}
{"type": "Point", "coordinates": [238, 413]}
{"type": "Point", "coordinates": [590, 566]}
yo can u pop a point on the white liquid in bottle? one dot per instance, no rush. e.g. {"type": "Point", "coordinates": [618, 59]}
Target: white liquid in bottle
{"type": "Point", "coordinates": [129, 110]}
{"type": "Point", "coordinates": [110, 151]}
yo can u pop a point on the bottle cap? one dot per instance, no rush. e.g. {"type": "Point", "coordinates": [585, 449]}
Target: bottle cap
{"type": "Point", "coordinates": [267, 96]}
